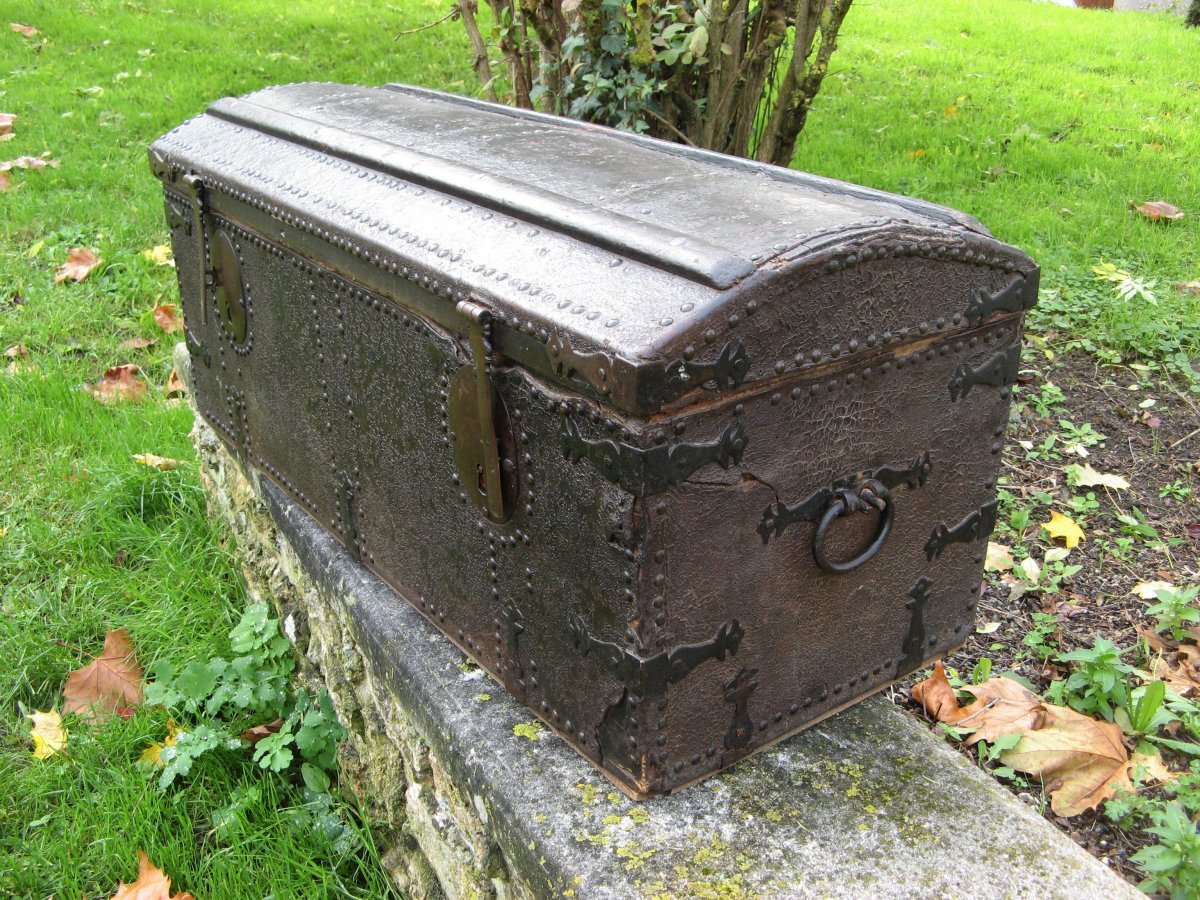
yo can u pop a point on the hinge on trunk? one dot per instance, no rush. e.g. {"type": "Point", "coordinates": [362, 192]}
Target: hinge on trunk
{"type": "Point", "coordinates": [484, 443]}
{"type": "Point", "coordinates": [195, 227]}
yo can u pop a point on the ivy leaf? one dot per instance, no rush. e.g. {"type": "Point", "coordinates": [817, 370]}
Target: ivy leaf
{"type": "Point", "coordinates": [1064, 527]}
{"type": "Point", "coordinates": [111, 680]}
{"type": "Point", "coordinates": [48, 733]}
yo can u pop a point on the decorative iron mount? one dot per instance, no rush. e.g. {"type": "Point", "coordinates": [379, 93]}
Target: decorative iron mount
{"type": "Point", "coordinates": [652, 674]}
{"type": "Point", "coordinates": [973, 527]}
{"type": "Point", "coordinates": [998, 371]}
{"type": "Point", "coordinates": [1017, 295]}
{"type": "Point", "coordinates": [859, 492]}
{"type": "Point", "coordinates": [645, 471]}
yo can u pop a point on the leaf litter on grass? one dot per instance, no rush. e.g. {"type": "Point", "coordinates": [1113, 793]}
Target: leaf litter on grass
{"type": "Point", "coordinates": [110, 684]}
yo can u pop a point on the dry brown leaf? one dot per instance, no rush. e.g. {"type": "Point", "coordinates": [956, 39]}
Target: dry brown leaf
{"type": "Point", "coordinates": [167, 317]}
{"type": "Point", "coordinates": [17, 351]}
{"type": "Point", "coordinates": [1149, 768]}
{"type": "Point", "coordinates": [154, 461]}
{"type": "Point", "coordinates": [1082, 761]}
{"type": "Point", "coordinates": [6, 123]}
{"type": "Point", "coordinates": [1001, 706]}
{"type": "Point", "coordinates": [5, 183]}
{"type": "Point", "coordinates": [81, 262]}
{"type": "Point", "coordinates": [110, 681]}
{"type": "Point", "coordinates": [1179, 667]}
{"type": "Point", "coordinates": [119, 383]}
{"type": "Point", "coordinates": [999, 558]}
{"type": "Point", "coordinates": [24, 30]}
{"type": "Point", "coordinates": [1158, 211]}
{"type": "Point", "coordinates": [151, 884]}
{"type": "Point", "coordinates": [175, 386]}
{"type": "Point", "coordinates": [258, 732]}
{"type": "Point", "coordinates": [35, 163]}
{"type": "Point", "coordinates": [137, 343]}
{"type": "Point", "coordinates": [1189, 287]}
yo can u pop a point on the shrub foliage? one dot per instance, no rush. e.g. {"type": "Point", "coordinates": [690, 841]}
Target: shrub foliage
{"type": "Point", "coordinates": [736, 76]}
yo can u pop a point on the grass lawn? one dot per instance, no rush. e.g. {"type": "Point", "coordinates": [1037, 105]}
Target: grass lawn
{"type": "Point", "coordinates": [1042, 121]}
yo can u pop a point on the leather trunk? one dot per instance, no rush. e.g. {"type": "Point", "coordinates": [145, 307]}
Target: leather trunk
{"type": "Point", "coordinates": [687, 452]}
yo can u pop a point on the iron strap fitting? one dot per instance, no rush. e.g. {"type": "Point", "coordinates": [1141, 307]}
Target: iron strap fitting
{"type": "Point", "coordinates": [484, 444]}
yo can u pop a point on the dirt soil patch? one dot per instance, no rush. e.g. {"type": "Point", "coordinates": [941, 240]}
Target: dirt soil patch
{"type": "Point", "coordinates": [1156, 448]}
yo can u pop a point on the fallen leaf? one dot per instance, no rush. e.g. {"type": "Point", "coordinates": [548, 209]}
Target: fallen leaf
{"type": "Point", "coordinates": [152, 755]}
{"type": "Point", "coordinates": [17, 351]}
{"type": "Point", "coordinates": [999, 558]}
{"type": "Point", "coordinates": [916, 154]}
{"type": "Point", "coordinates": [24, 30]}
{"type": "Point", "coordinates": [1148, 768]}
{"type": "Point", "coordinates": [151, 884]}
{"type": "Point", "coordinates": [1086, 476]}
{"type": "Point", "coordinates": [988, 628]}
{"type": "Point", "coordinates": [163, 463]}
{"type": "Point", "coordinates": [258, 732]}
{"type": "Point", "coordinates": [5, 183]}
{"type": "Point", "coordinates": [1178, 667]}
{"type": "Point", "coordinates": [1193, 530]}
{"type": "Point", "coordinates": [1158, 211]}
{"type": "Point", "coordinates": [1148, 590]}
{"type": "Point", "coordinates": [951, 111]}
{"type": "Point", "coordinates": [1151, 421]}
{"type": "Point", "coordinates": [79, 265]}
{"type": "Point", "coordinates": [112, 679]}
{"type": "Point", "coordinates": [48, 733]}
{"type": "Point", "coordinates": [137, 343]}
{"type": "Point", "coordinates": [1189, 287]}
{"type": "Point", "coordinates": [36, 163]}
{"type": "Point", "coordinates": [160, 254]}
{"type": "Point", "coordinates": [1064, 527]}
{"type": "Point", "coordinates": [1082, 761]}
{"type": "Point", "coordinates": [1001, 705]}
{"type": "Point", "coordinates": [1031, 569]}
{"type": "Point", "coordinates": [6, 123]}
{"type": "Point", "coordinates": [167, 317]}
{"type": "Point", "coordinates": [119, 383]}
{"type": "Point", "coordinates": [175, 386]}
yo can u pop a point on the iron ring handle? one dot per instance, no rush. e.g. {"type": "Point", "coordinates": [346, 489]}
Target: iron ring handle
{"type": "Point", "coordinates": [846, 502]}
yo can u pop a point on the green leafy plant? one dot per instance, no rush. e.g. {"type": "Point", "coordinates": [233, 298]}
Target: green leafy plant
{"type": "Point", "coordinates": [1176, 490]}
{"type": "Point", "coordinates": [1174, 611]}
{"type": "Point", "coordinates": [1145, 710]}
{"type": "Point", "coordinates": [1040, 638]}
{"type": "Point", "coordinates": [253, 684]}
{"type": "Point", "coordinates": [1173, 864]}
{"type": "Point", "coordinates": [1099, 682]}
